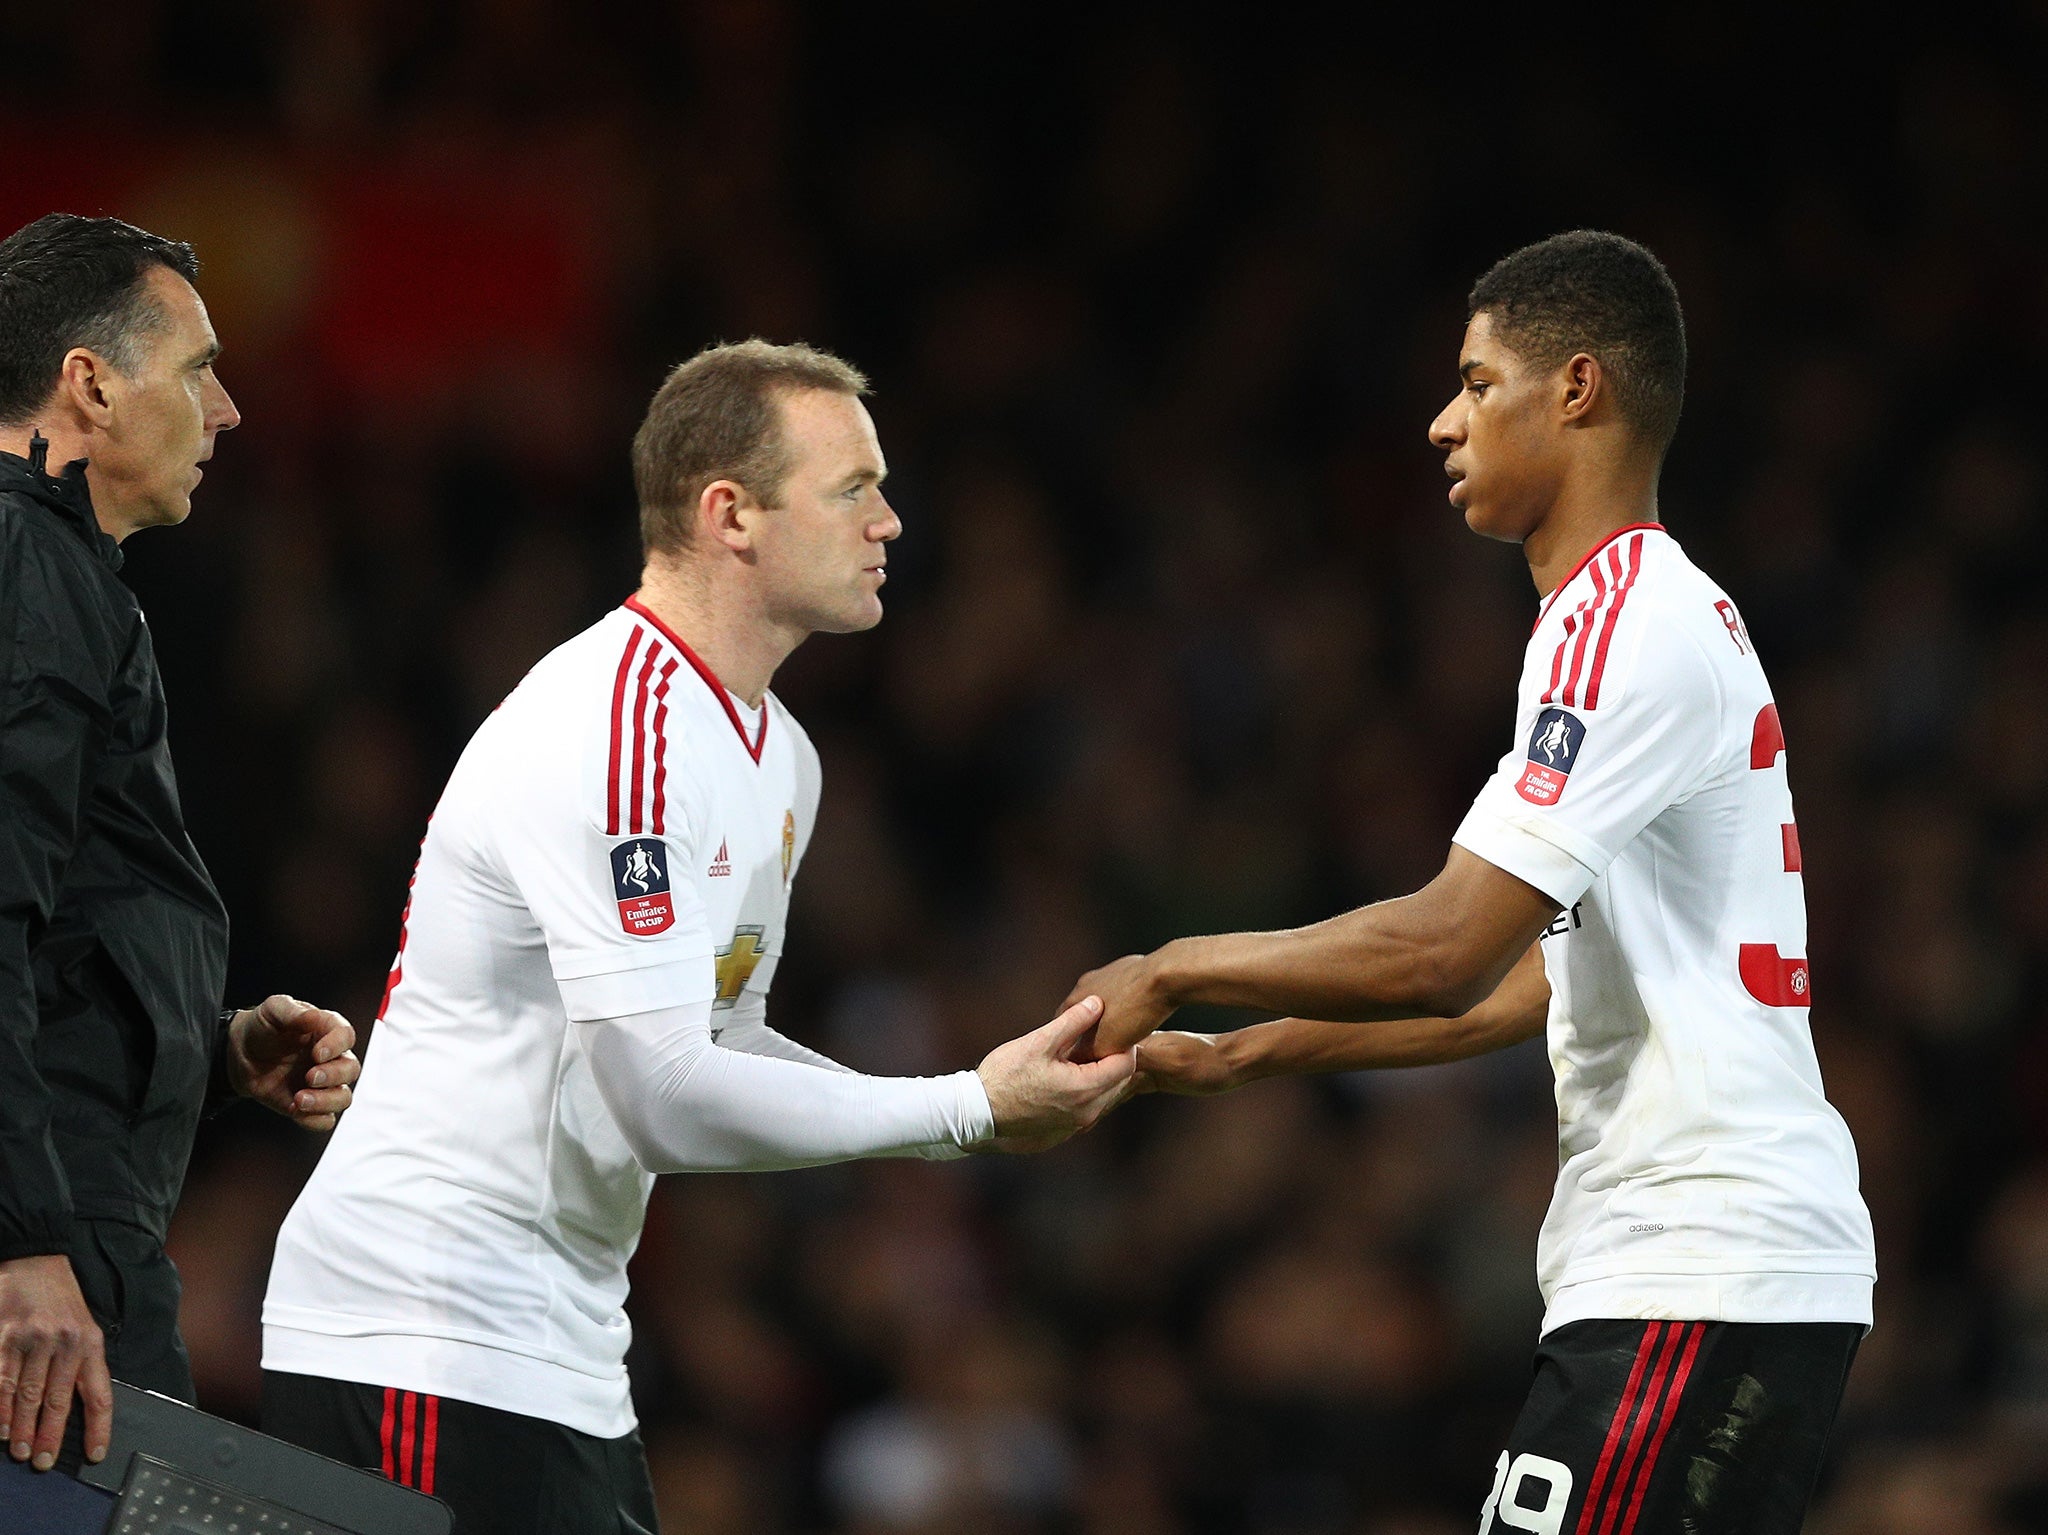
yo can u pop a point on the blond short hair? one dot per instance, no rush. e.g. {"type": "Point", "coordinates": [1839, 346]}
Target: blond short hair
{"type": "Point", "coordinates": [717, 417]}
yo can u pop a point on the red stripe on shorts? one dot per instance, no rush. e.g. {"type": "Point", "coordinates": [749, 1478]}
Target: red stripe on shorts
{"type": "Point", "coordinates": [384, 1434]}
{"type": "Point", "coordinates": [1651, 1393]}
{"type": "Point", "coordinates": [406, 1440]}
{"type": "Point", "coordinates": [1665, 1419]}
{"type": "Point", "coordinates": [1623, 1410]}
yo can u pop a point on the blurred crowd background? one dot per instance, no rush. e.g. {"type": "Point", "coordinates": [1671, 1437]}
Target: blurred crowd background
{"type": "Point", "coordinates": [1182, 636]}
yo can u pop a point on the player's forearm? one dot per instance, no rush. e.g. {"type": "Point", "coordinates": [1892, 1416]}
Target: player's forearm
{"type": "Point", "coordinates": [763, 1113]}
{"type": "Point", "coordinates": [1364, 966]}
{"type": "Point", "coordinates": [1516, 1011]}
{"type": "Point", "coordinates": [1438, 953]}
{"type": "Point", "coordinates": [751, 1036]}
{"type": "Point", "coordinates": [686, 1104]}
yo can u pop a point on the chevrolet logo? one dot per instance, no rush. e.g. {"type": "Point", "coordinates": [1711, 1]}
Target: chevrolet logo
{"type": "Point", "coordinates": [736, 962]}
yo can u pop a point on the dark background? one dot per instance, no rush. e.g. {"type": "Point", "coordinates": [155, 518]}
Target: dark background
{"type": "Point", "coordinates": [1182, 636]}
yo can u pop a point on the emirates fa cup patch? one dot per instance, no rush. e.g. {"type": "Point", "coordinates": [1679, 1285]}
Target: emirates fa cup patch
{"type": "Point", "coordinates": [1553, 748]}
{"type": "Point", "coordinates": [640, 881]}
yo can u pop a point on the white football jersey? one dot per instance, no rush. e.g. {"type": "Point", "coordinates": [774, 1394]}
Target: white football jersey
{"type": "Point", "coordinates": [618, 838]}
{"type": "Point", "coordinates": [1702, 1173]}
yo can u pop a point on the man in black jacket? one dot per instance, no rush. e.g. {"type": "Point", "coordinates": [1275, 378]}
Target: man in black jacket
{"type": "Point", "coordinates": [113, 942]}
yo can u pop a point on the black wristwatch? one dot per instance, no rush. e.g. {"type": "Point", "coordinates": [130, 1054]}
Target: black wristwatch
{"type": "Point", "coordinates": [220, 1086]}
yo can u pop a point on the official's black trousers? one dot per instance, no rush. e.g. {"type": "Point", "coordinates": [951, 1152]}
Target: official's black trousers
{"type": "Point", "coordinates": [1672, 1428]}
{"type": "Point", "coordinates": [503, 1473]}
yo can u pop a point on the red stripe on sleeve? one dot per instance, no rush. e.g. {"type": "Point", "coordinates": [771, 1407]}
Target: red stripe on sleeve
{"type": "Point", "coordinates": [1600, 592]}
{"type": "Point", "coordinates": [611, 818]}
{"type": "Point", "coordinates": [1584, 560]}
{"type": "Point", "coordinates": [1621, 590]}
{"type": "Point", "coordinates": [1665, 1419]}
{"type": "Point", "coordinates": [640, 741]}
{"type": "Point", "coordinates": [1622, 1411]}
{"type": "Point", "coordinates": [1641, 1431]}
{"type": "Point", "coordinates": [427, 1452]}
{"type": "Point", "coordinates": [1571, 623]}
{"type": "Point", "coordinates": [384, 1434]}
{"type": "Point", "coordinates": [661, 743]}
{"type": "Point", "coordinates": [406, 1442]}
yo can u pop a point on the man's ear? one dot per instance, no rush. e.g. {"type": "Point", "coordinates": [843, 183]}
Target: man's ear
{"type": "Point", "coordinates": [86, 384]}
{"type": "Point", "coordinates": [726, 513]}
{"type": "Point", "coordinates": [1585, 384]}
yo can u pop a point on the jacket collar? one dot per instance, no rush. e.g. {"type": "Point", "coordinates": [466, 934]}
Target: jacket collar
{"type": "Point", "coordinates": [67, 496]}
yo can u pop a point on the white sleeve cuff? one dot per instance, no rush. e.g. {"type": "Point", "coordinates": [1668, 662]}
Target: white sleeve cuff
{"type": "Point", "coordinates": [974, 1122]}
{"type": "Point", "coordinates": [1545, 854]}
{"type": "Point", "coordinates": [621, 993]}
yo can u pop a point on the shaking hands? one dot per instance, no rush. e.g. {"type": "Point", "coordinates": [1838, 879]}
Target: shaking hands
{"type": "Point", "coordinates": [1042, 1087]}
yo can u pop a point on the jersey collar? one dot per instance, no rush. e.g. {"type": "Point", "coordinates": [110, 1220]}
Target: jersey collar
{"type": "Point", "coordinates": [711, 681]}
{"type": "Point", "coordinates": [1580, 568]}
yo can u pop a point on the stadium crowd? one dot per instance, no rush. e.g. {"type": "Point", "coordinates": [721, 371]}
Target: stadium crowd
{"type": "Point", "coordinates": [1182, 637]}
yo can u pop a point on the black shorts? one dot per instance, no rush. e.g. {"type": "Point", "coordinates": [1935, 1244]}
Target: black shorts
{"type": "Point", "coordinates": [1672, 1428]}
{"type": "Point", "coordinates": [503, 1473]}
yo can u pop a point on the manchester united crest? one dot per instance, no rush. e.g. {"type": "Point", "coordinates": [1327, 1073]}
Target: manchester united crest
{"type": "Point", "coordinates": [788, 844]}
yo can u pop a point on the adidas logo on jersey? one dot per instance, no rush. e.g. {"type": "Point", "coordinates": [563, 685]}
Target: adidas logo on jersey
{"type": "Point", "coordinates": [721, 866]}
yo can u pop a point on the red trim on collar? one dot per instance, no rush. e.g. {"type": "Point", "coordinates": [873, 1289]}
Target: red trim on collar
{"type": "Point", "coordinates": [1577, 570]}
{"type": "Point", "coordinates": [711, 681]}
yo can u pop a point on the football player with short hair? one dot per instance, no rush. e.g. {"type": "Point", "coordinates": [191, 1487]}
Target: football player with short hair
{"type": "Point", "coordinates": [580, 993]}
{"type": "Point", "coordinates": [1630, 879]}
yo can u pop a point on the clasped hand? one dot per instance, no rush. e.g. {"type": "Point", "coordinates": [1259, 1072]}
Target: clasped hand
{"type": "Point", "coordinates": [294, 1058]}
{"type": "Point", "coordinates": [1133, 1002]}
{"type": "Point", "coordinates": [1040, 1091]}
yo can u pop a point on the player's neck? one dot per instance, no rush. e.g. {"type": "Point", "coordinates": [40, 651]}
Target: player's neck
{"type": "Point", "coordinates": [721, 627]}
{"type": "Point", "coordinates": [1581, 518]}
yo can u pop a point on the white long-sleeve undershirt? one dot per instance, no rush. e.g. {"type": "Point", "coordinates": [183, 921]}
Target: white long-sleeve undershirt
{"type": "Point", "coordinates": [753, 1100]}
{"type": "Point", "coordinates": [744, 1026]}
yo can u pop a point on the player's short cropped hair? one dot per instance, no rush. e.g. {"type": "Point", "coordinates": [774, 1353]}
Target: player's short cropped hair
{"type": "Point", "coordinates": [1593, 292]}
{"type": "Point", "coordinates": [718, 417]}
{"type": "Point", "coordinates": [68, 281]}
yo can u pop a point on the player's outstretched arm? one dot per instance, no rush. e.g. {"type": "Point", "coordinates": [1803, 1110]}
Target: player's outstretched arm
{"type": "Point", "coordinates": [1198, 1065]}
{"type": "Point", "coordinates": [686, 1104]}
{"type": "Point", "coordinates": [1435, 954]}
